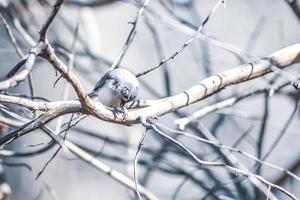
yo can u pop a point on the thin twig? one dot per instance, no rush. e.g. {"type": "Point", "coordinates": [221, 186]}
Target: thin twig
{"type": "Point", "coordinates": [131, 35]}
{"type": "Point", "coordinates": [136, 161]}
{"type": "Point", "coordinates": [187, 43]}
{"type": "Point", "coordinates": [283, 131]}
{"type": "Point", "coordinates": [47, 24]}
{"type": "Point", "coordinates": [183, 122]}
{"type": "Point", "coordinates": [215, 164]}
{"type": "Point", "coordinates": [232, 149]}
{"type": "Point", "coordinates": [161, 54]}
{"type": "Point", "coordinates": [90, 159]}
{"type": "Point", "coordinates": [12, 37]}
{"type": "Point", "coordinates": [263, 130]}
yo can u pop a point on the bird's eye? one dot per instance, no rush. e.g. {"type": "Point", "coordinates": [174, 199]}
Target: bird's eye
{"type": "Point", "coordinates": [125, 92]}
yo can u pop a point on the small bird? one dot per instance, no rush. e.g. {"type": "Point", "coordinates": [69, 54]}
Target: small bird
{"type": "Point", "coordinates": [116, 87]}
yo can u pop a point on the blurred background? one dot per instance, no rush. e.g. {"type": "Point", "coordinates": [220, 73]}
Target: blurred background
{"type": "Point", "coordinates": [237, 34]}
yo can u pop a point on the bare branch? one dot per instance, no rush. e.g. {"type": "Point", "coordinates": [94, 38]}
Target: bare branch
{"type": "Point", "coordinates": [295, 6]}
{"type": "Point", "coordinates": [183, 122]}
{"type": "Point", "coordinates": [136, 161]}
{"type": "Point", "coordinates": [211, 85]}
{"type": "Point", "coordinates": [181, 27]}
{"type": "Point", "coordinates": [99, 165]}
{"type": "Point", "coordinates": [12, 37]}
{"type": "Point", "coordinates": [47, 24]}
{"type": "Point", "coordinates": [187, 43]}
{"type": "Point", "coordinates": [241, 170]}
{"type": "Point", "coordinates": [131, 35]}
{"type": "Point", "coordinates": [92, 3]}
{"type": "Point", "coordinates": [23, 74]}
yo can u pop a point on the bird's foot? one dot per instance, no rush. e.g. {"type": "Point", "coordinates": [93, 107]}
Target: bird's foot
{"type": "Point", "coordinates": [120, 111]}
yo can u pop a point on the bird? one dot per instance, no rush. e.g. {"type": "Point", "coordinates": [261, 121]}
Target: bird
{"type": "Point", "coordinates": [116, 88]}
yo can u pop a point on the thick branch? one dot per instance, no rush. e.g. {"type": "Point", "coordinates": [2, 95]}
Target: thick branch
{"type": "Point", "coordinates": [211, 85]}
{"type": "Point", "coordinates": [50, 55]}
{"type": "Point", "coordinates": [37, 105]}
{"type": "Point", "coordinates": [183, 122]}
{"type": "Point", "coordinates": [35, 124]}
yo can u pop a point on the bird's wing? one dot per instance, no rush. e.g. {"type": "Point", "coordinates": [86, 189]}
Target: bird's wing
{"type": "Point", "coordinates": [107, 76]}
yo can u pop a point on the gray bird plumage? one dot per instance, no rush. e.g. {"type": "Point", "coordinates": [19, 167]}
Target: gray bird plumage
{"type": "Point", "coordinates": [117, 87]}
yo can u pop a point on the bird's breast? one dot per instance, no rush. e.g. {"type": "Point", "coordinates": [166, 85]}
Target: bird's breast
{"type": "Point", "coordinates": [108, 97]}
